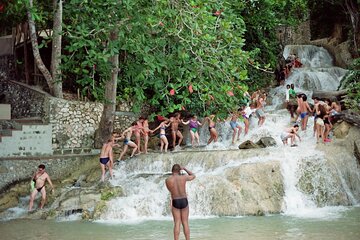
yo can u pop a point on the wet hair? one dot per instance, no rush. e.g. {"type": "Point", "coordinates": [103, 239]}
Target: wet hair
{"type": "Point", "coordinates": [322, 109]}
{"type": "Point", "coordinates": [142, 118]}
{"type": "Point", "coordinates": [296, 125]}
{"type": "Point", "coordinates": [42, 166]}
{"type": "Point", "coordinates": [288, 86]}
{"type": "Point", "coordinates": [304, 97]}
{"type": "Point", "coordinates": [316, 98]}
{"type": "Point", "coordinates": [134, 123]}
{"type": "Point", "coordinates": [176, 168]}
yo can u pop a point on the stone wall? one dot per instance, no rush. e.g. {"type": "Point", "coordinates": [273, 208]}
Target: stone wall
{"type": "Point", "coordinates": [7, 67]}
{"type": "Point", "coordinates": [16, 170]}
{"type": "Point", "coordinates": [288, 35]}
{"type": "Point", "coordinates": [31, 140]}
{"type": "Point", "coordinates": [25, 101]}
{"type": "Point", "coordinates": [74, 123]}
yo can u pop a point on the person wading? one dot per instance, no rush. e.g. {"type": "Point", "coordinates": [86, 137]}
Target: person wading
{"type": "Point", "coordinates": [38, 186]}
{"type": "Point", "coordinates": [176, 184]}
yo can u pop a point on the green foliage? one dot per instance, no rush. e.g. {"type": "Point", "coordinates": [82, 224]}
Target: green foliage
{"type": "Point", "coordinates": [163, 46]}
{"type": "Point", "coordinates": [351, 82]}
{"type": "Point", "coordinates": [170, 46]}
{"type": "Point", "coordinates": [15, 13]}
{"type": "Point", "coordinates": [262, 18]}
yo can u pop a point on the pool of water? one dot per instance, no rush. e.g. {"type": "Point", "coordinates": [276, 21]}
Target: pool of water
{"type": "Point", "coordinates": [342, 225]}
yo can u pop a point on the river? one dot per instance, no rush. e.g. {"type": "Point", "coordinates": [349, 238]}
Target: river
{"type": "Point", "coordinates": [342, 223]}
{"type": "Point", "coordinates": [317, 194]}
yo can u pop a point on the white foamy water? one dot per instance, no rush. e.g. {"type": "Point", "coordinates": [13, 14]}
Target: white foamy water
{"type": "Point", "coordinates": [146, 196]}
{"type": "Point", "coordinates": [217, 165]}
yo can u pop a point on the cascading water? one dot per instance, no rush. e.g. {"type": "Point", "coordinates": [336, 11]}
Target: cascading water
{"type": "Point", "coordinates": [296, 181]}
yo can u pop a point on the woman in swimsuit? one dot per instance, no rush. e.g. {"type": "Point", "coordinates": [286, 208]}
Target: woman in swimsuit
{"type": "Point", "coordinates": [138, 130]}
{"type": "Point", "coordinates": [146, 132]}
{"type": "Point", "coordinates": [163, 139]}
{"type": "Point", "coordinates": [193, 128]}
{"type": "Point", "coordinates": [212, 129]}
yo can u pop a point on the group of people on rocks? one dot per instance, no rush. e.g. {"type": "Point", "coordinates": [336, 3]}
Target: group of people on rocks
{"type": "Point", "coordinates": [322, 110]}
{"type": "Point", "coordinates": [254, 103]}
{"type": "Point", "coordinates": [283, 72]}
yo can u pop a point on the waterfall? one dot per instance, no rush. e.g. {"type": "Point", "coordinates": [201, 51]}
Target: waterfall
{"type": "Point", "coordinates": [300, 181]}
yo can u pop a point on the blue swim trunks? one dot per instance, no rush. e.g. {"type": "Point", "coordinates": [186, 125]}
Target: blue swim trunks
{"type": "Point", "coordinates": [104, 160]}
{"type": "Point", "coordinates": [234, 124]}
{"type": "Point", "coordinates": [303, 115]}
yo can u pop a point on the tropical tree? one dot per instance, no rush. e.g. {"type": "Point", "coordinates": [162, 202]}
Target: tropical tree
{"type": "Point", "coordinates": [173, 54]}
{"type": "Point", "coordinates": [21, 10]}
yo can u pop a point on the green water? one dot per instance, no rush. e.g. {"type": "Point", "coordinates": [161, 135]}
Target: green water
{"type": "Point", "coordinates": [345, 226]}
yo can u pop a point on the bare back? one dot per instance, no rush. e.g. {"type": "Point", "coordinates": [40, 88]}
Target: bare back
{"type": "Point", "coordinates": [106, 150]}
{"type": "Point", "coordinates": [176, 186]}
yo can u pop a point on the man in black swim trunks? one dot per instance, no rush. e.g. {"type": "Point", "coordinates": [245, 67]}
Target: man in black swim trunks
{"type": "Point", "coordinates": [106, 157]}
{"type": "Point", "coordinates": [39, 178]}
{"type": "Point", "coordinates": [176, 184]}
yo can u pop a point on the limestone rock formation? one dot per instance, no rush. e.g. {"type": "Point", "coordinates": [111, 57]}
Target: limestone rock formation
{"type": "Point", "coordinates": [248, 145]}
{"type": "Point", "coordinates": [266, 142]}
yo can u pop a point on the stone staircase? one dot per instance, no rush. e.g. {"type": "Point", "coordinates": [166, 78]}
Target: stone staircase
{"type": "Point", "coordinates": [25, 137]}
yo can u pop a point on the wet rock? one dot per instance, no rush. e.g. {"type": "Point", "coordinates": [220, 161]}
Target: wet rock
{"type": "Point", "coordinates": [248, 145]}
{"type": "Point", "coordinates": [8, 200]}
{"type": "Point", "coordinates": [341, 130]}
{"type": "Point", "coordinates": [357, 150]}
{"type": "Point", "coordinates": [266, 142]}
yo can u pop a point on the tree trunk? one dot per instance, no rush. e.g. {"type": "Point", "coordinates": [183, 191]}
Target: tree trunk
{"type": "Point", "coordinates": [26, 56]}
{"type": "Point", "coordinates": [56, 48]}
{"type": "Point", "coordinates": [106, 125]}
{"type": "Point", "coordinates": [349, 117]}
{"type": "Point", "coordinates": [35, 47]}
{"type": "Point", "coordinates": [329, 94]}
{"type": "Point", "coordinates": [353, 9]}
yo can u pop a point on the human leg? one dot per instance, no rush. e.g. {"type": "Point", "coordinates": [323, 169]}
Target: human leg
{"type": "Point", "coordinates": [177, 222]}
{"type": "Point", "coordinates": [234, 134]}
{"type": "Point", "coordinates": [166, 143]}
{"type": "Point", "coordinates": [173, 134]}
{"type": "Point", "coordinates": [146, 141]}
{"type": "Point", "coordinates": [43, 197]}
{"type": "Point", "coordinates": [123, 152]}
{"type": "Point", "coordinates": [102, 172]}
{"type": "Point", "coordinates": [133, 145]}
{"type": "Point", "coordinates": [185, 222]}
{"type": "Point", "coordinates": [192, 137]}
{"type": "Point", "coordinates": [239, 132]}
{"type": "Point", "coordinates": [109, 165]}
{"type": "Point", "coordinates": [247, 124]}
{"type": "Point", "coordinates": [137, 141]}
{"type": "Point", "coordinates": [32, 197]}
{"type": "Point", "coordinates": [178, 133]}
{"type": "Point", "coordinates": [197, 138]}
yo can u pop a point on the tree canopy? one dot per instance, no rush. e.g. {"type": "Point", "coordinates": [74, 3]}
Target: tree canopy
{"type": "Point", "coordinates": [174, 54]}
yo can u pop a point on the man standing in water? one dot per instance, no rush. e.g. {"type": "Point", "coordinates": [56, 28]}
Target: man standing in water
{"type": "Point", "coordinates": [38, 186]}
{"type": "Point", "coordinates": [176, 184]}
{"type": "Point", "coordinates": [106, 158]}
